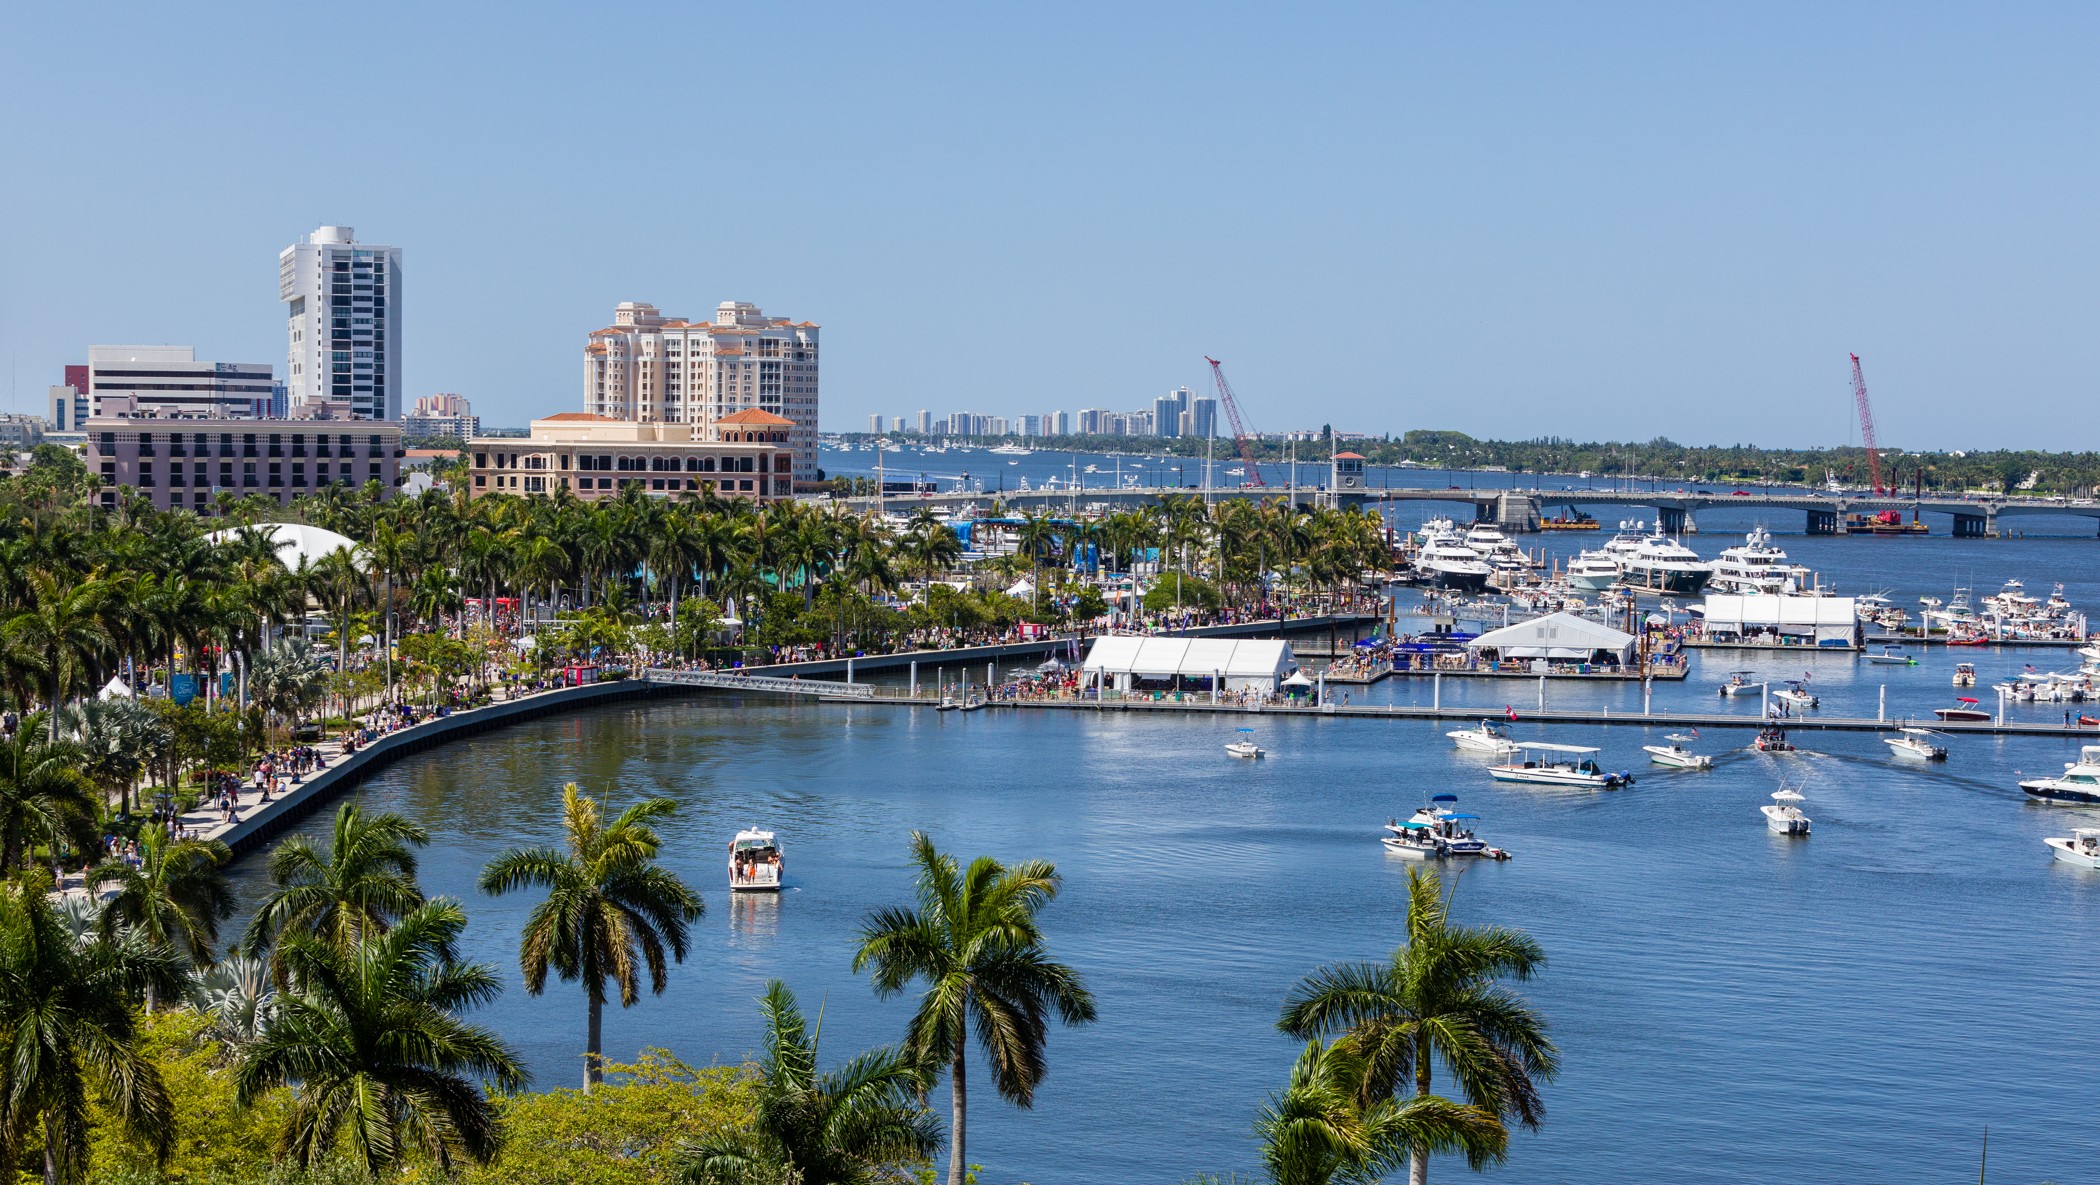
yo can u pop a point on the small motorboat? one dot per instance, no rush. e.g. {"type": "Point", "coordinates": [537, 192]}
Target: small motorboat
{"type": "Point", "coordinates": [1484, 737]}
{"type": "Point", "coordinates": [1783, 814]}
{"type": "Point", "coordinates": [1916, 743]}
{"type": "Point", "coordinates": [947, 704]}
{"type": "Point", "coordinates": [2081, 847]}
{"type": "Point", "coordinates": [1965, 709]}
{"type": "Point", "coordinates": [1737, 685]}
{"type": "Point", "coordinates": [1890, 657]}
{"type": "Point", "coordinates": [1558, 765]}
{"type": "Point", "coordinates": [754, 862]}
{"type": "Point", "coordinates": [1772, 740]}
{"type": "Point", "coordinates": [1797, 695]}
{"type": "Point", "coordinates": [1438, 830]}
{"type": "Point", "coordinates": [1965, 674]}
{"type": "Point", "coordinates": [1676, 755]}
{"type": "Point", "coordinates": [975, 703]}
{"type": "Point", "coordinates": [1244, 746]}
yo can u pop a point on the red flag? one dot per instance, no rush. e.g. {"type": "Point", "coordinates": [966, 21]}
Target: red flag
{"type": "Point", "coordinates": [1512, 711]}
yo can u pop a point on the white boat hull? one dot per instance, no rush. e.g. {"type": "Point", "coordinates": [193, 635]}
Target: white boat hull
{"type": "Point", "coordinates": [1409, 851]}
{"type": "Point", "coordinates": [1677, 759]}
{"type": "Point", "coordinates": [1247, 751]}
{"type": "Point", "coordinates": [2068, 852]}
{"type": "Point", "coordinates": [1916, 752]}
{"type": "Point", "coordinates": [1784, 822]}
{"type": "Point", "coordinates": [1475, 742]}
{"type": "Point", "coordinates": [1550, 777]}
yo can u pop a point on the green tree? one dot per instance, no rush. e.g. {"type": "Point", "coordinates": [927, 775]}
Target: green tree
{"type": "Point", "coordinates": [610, 911]}
{"type": "Point", "coordinates": [368, 1040]}
{"type": "Point", "coordinates": [176, 897]}
{"type": "Point", "coordinates": [1437, 999]}
{"type": "Point", "coordinates": [1316, 1131]}
{"type": "Point", "coordinates": [633, 1129]}
{"type": "Point", "coordinates": [363, 881]}
{"type": "Point", "coordinates": [43, 794]}
{"type": "Point", "coordinates": [852, 1126]}
{"type": "Point", "coordinates": [975, 940]}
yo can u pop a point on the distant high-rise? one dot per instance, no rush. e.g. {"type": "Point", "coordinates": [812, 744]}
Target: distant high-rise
{"type": "Point", "coordinates": [1167, 409]}
{"type": "Point", "coordinates": [875, 423]}
{"type": "Point", "coordinates": [1203, 416]}
{"type": "Point", "coordinates": [1057, 423]}
{"type": "Point", "coordinates": [896, 423]}
{"type": "Point", "coordinates": [925, 422]}
{"type": "Point", "coordinates": [169, 381]}
{"type": "Point", "coordinates": [442, 414]}
{"type": "Point", "coordinates": [1031, 425]}
{"type": "Point", "coordinates": [343, 317]}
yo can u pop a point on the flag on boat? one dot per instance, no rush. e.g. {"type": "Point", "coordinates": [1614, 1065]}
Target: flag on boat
{"type": "Point", "coordinates": [1695, 734]}
{"type": "Point", "coordinates": [1510, 710]}
{"type": "Point", "coordinates": [2030, 666]}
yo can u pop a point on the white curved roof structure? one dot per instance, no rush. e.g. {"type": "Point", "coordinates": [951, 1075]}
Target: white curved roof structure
{"type": "Point", "coordinates": [295, 541]}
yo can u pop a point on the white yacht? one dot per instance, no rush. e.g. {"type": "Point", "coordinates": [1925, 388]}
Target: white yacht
{"type": "Point", "coordinates": [1916, 743]}
{"type": "Point", "coordinates": [1756, 566]}
{"type": "Point", "coordinates": [2079, 783]}
{"type": "Point", "coordinates": [1798, 695]}
{"type": "Point", "coordinates": [1676, 755]}
{"type": "Point", "coordinates": [1244, 746]}
{"type": "Point", "coordinates": [754, 862]}
{"type": "Point", "coordinates": [1592, 571]}
{"type": "Point", "coordinates": [1484, 737]}
{"type": "Point", "coordinates": [1013, 450]}
{"type": "Point", "coordinates": [1451, 564]}
{"type": "Point", "coordinates": [1496, 548]}
{"type": "Point", "coordinates": [1438, 830]}
{"type": "Point", "coordinates": [2081, 847]}
{"type": "Point", "coordinates": [1783, 813]}
{"type": "Point", "coordinates": [1661, 564]}
{"type": "Point", "coordinates": [1558, 765]}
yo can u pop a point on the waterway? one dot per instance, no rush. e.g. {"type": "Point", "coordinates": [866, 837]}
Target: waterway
{"type": "Point", "coordinates": [1854, 1006]}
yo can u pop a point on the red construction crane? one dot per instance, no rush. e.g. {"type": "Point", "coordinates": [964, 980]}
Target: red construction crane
{"type": "Point", "coordinates": [1866, 427]}
{"type": "Point", "coordinates": [1241, 438]}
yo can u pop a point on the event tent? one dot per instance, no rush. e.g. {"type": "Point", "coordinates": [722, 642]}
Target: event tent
{"type": "Point", "coordinates": [1123, 662]}
{"type": "Point", "coordinates": [1558, 636]}
{"type": "Point", "coordinates": [295, 541]}
{"type": "Point", "coordinates": [1817, 621]}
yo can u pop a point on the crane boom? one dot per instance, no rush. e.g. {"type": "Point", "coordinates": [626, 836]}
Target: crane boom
{"type": "Point", "coordinates": [1241, 438]}
{"type": "Point", "coordinates": [1866, 427]}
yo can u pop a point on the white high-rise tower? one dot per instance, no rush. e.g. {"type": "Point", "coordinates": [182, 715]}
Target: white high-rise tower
{"type": "Point", "coordinates": [343, 302]}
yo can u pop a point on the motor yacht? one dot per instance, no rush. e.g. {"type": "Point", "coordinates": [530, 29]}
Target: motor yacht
{"type": "Point", "coordinates": [2081, 847]}
{"type": "Point", "coordinates": [1798, 695]}
{"type": "Point", "coordinates": [1013, 450]}
{"type": "Point", "coordinates": [1496, 548]}
{"type": "Point", "coordinates": [1244, 746]}
{"type": "Point", "coordinates": [754, 862]}
{"type": "Point", "coordinates": [1438, 830]}
{"type": "Point", "coordinates": [1547, 764]}
{"type": "Point", "coordinates": [1756, 566]}
{"type": "Point", "coordinates": [1676, 755]}
{"type": "Point", "coordinates": [1592, 571]}
{"type": "Point", "coordinates": [1661, 564]}
{"type": "Point", "coordinates": [1965, 709]}
{"type": "Point", "coordinates": [1916, 743]}
{"type": "Point", "coordinates": [1451, 564]}
{"type": "Point", "coordinates": [1484, 737]}
{"type": "Point", "coordinates": [1783, 814]}
{"type": "Point", "coordinates": [2079, 783]}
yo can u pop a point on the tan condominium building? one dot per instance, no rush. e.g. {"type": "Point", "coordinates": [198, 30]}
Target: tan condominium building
{"type": "Point", "coordinates": [650, 368]}
{"type": "Point", "coordinates": [742, 455]}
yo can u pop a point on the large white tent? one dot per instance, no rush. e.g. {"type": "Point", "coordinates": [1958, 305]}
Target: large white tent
{"type": "Point", "coordinates": [1558, 636]}
{"type": "Point", "coordinates": [1807, 621]}
{"type": "Point", "coordinates": [295, 541]}
{"type": "Point", "coordinates": [1123, 662]}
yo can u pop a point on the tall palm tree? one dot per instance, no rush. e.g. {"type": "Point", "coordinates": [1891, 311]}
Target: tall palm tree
{"type": "Point", "coordinates": [1316, 1131]}
{"type": "Point", "coordinates": [67, 1022]}
{"type": "Point", "coordinates": [370, 1042]}
{"type": "Point", "coordinates": [848, 1127]}
{"type": "Point", "coordinates": [610, 909]}
{"type": "Point", "coordinates": [176, 897]}
{"type": "Point", "coordinates": [43, 793]}
{"type": "Point", "coordinates": [347, 894]}
{"type": "Point", "coordinates": [1438, 999]}
{"type": "Point", "coordinates": [975, 941]}
{"type": "Point", "coordinates": [63, 619]}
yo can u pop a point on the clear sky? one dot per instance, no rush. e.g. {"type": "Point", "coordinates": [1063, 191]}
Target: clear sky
{"type": "Point", "coordinates": [1508, 219]}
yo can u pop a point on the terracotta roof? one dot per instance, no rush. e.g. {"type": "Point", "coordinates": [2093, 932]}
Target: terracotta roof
{"type": "Point", "coordinates": [580, 415]}
{"type": "Point", "coordinates": [1348, 456]}
{"type": "Point", "coordinates": [433, 452]}
{"type": "Point", "coordinates": [754, 415]}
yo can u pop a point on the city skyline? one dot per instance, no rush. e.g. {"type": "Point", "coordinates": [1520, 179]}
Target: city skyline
{"type": "Point", "coordinates": [1527, 221]}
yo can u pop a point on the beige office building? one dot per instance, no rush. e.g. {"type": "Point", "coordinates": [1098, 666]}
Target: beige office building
{"type": "Point", "coordinates": [649, 368]}
{"type": "Point", "coordinates": [743, 455]}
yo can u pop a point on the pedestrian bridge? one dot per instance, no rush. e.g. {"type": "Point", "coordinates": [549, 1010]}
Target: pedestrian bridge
{"type": "Point", "coordinates": [767, 684]}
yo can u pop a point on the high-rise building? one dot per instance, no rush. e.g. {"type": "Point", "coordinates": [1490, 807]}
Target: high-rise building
{"type": "Point", "coordinates": [649, 368]}
{"type": "Point", "coordinates": [1093, 421]}
{"type": "Point", "coordinates": [343, 316]}
{"type": "Point", "coordinates": [875, 423]}
{"type": "Point", "coordinates": [1057, 423]}
{"type": "Point", "coordinates": [896, 423]}
{"type": "Point", "coordinates": [1031, 425]}
{"type": "Point", "coordinates": [160, 381]}
{"type": "Point", "coordinates": [442, 414]}
{"type": "Point", "coordinates": [925, 422]}
{"type": "Point", "coordinates": [1167, 409]}
{"type": "Point", "coordinates": [1203, 416]}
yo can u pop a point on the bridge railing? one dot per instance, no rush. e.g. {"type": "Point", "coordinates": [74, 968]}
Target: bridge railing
{"type": "Point", "coordinates": [730, 681]}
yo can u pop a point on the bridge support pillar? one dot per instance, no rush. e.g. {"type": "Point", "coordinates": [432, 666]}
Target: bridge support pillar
{"type": "Point", "coordinates": [1825, 522]}
{"type": "Point", "coordinates": [1514, 511]}
{"type": "Point", "coordinates": [1976, 526]}
{"type": "Point", "coordinates": [1676, 520]}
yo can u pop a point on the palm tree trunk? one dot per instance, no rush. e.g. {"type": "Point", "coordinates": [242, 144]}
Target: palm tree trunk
{"type": "Point", "coordinates": [957, 1161]}
{"type": "Point", "coordinates": [51, 1141]}
{"type": "Point", "coordinates": [1418, 1156]}
{"type": "Point", "coordinates": [593, 1064]}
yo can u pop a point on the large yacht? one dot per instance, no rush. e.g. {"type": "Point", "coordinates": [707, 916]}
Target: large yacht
{"type": "Point", "coordinates": [1496, 548]}
{"type": "Point", "coordinates": [1593, 571]}
{"type": "Point", "coordinates": [2080, 781]}
{"type": "Point", "coordinates": [1663, 565]}
{"type": "Point", "coordinates": [1755, 566]}
{"type": "Point", "coordinates": [1447, 561]}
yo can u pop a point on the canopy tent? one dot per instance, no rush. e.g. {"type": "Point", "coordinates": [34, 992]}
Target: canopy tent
{"type": "Point", "coordinates": [295, 541]}
{"type": "Point", "coordinates": [116, 688]}
{"type": "Point", "coordinates": [1820, 621]}
{"type": "Point", "coordinates": [1558, 636]}
{"type": "Point", "coordinates": [1021, 588]}
{"type": "Point", "coordinates": [1124, 662]}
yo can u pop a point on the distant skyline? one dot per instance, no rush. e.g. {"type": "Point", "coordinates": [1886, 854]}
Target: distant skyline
{"type": "Point", "coordinates": [1594, 222]}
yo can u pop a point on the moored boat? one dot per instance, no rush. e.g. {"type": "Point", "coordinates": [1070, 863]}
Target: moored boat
{"type": "Point", "coordinates": [1965, 709]}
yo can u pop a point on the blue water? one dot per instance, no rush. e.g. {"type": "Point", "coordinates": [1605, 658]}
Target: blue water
{"type": "Point", "coordinates": [1855, 1006]}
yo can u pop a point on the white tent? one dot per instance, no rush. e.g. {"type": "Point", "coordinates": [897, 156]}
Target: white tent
{"type": "Point", "coordinates": [1818, 621]}
{"type": "Point", "coordinates": [1122, 662]}
{"type": "Point", "coordinates": [1557, 635]}
{"type": "Point", "coordinates": [1021, 588]}
{"type": "Point", "coordinates": [295, 541]}
{"type": "Point", "coordinates": [115, 688]}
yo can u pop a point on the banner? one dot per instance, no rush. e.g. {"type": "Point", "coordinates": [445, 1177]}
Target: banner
{"type": "Point", "coordinates": [182, 688]}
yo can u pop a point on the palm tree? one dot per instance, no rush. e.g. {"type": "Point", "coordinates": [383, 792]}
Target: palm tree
{"type": "Point", "coordinates": [842, 1128]}
{"type": "Point", "coordinates": [67, 1022]}
{"type": "Point", "coordinates": [608, 902]}
{"type": "Point", "coordinates": [975, 941]}
{"type": "Point", "coordinates": [63, 619]}
{"type": "Point", "coordinates": [1315, 1131]}
{"type": "Point", "coordinates": [369, 1041]}
{"type": "Point", "coordinates": [1437, 999]}
{"type": "Point", "coordinates": [347, 894]}
{"type": "Point", "coordinates": [177, 897]}
{"type": "Point", "coordinates": [43, 794]}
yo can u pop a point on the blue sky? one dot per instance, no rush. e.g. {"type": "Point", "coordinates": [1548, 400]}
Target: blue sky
{"type": "Point", "coordinates": [1507, 219]}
